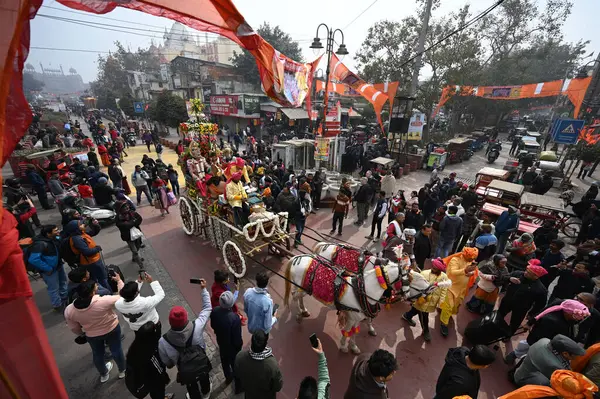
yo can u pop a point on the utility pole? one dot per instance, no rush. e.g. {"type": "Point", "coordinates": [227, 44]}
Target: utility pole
{"type": "Point", "coordinates": [418, 64]}
{"type": "Point", "coordinates": [420, 48]}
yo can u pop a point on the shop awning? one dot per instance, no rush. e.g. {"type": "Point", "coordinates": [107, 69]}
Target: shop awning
{"type": "Point", "coordinates": [269, 106]}
{"type": "Point", "coordinates": [295, 113]}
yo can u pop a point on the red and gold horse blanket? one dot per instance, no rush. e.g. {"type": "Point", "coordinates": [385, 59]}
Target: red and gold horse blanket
{"type": "Point", "coordinates": [323, 282]}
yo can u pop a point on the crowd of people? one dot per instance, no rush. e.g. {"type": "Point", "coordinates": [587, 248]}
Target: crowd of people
{"type": "Point", "coordinates": [439, 227]}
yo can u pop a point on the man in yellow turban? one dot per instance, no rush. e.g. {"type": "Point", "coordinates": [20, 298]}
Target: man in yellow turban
{"type": "Point", "coordinates": [461, 271]}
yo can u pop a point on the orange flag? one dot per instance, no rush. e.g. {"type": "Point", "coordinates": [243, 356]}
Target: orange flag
{"type": "Point", "coordinates": [341, 73]}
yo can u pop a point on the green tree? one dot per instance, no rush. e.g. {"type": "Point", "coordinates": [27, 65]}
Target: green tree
{"type": "Point", "coordinates": [280, 40]}
{"type": "Point", "coordinates": [515, 44]}
{"type": "Point", "coordinates": [168, 109]}
{"type": "Point", "coordinates": [126, 105]}
{"type": "Point", "coordinates": [112, 81]}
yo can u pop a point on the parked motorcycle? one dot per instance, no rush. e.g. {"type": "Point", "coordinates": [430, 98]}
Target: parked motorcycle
{"type": "Point", "coordinates": [72, 200]}
{"type": "Point", "coordinates": [131, 139]}
{"type": "Point", "coordinates": [494, 153]}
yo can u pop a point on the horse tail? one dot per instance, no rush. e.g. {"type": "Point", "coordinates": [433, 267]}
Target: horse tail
{"type": "Point", "coordinates": [288, 284]}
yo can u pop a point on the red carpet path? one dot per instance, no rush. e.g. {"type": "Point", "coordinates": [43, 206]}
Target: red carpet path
{"type": "Point", "coordinates": [419, 363]}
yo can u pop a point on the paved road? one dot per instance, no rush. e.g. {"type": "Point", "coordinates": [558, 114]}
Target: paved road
{"type": "Point", "coordinates": [175, 257]}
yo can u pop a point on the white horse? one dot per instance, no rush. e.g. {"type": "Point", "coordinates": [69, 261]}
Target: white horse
{"type": "Point", "coordinates": [318, 278]}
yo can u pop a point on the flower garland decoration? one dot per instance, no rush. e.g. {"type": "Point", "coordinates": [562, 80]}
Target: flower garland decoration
{"type": "Point", "coordinates": [380, 278]}
{"type": "Point", "coordinates": [283, 220]}
{"type": "Point", "coordinates": [241, 257]}
{"type": "Point", "coordinates": [273, 227]}
{"type": "Point", "coordinates": [197, 106]}
{"type": "Point", "coordinates": [256, 231]}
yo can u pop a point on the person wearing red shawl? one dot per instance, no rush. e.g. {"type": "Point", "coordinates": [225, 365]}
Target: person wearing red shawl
{"type": "Point", "coordinates": [221, 285]}
{"type": "Point", "coordinates": [103, 155]}
{"type": "Point", "coordinates": [161, 201]}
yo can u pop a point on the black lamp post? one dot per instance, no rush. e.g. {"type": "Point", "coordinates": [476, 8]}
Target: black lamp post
{"type": "Point", "coordinates": [342, 50]}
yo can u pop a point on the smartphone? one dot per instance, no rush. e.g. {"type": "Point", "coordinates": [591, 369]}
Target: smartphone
{"type": "Point", "coordinates": [142, 275]}
{"type": "Point", "coordinates": [196, 281]}
{"type": "Point", "coordinates": [313, 340]}
{"type": "Point", "coordinates": [275, 307]}
{"type": "Point", "coordinates": [111, 273]}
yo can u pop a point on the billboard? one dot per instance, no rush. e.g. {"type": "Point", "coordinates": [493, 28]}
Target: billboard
{"type": "Point", "coordinates": [224, 105]}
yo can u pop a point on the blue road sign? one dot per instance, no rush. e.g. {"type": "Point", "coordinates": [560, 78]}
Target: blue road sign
{"type": "Point", "coordinates": [138, 107]}
{"type": "Point", "coordinates": [566, 131]}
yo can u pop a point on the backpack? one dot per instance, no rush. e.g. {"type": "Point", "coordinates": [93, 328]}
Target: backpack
{"type": "Point", "coordinates": [192, 361]}
{"type": "Point", "coordinates": [26, 253]}
{"type": "Point", "coordinates": [66, 252]}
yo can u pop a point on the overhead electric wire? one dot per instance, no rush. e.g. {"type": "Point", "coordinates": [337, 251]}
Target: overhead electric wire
{"type": "Point", "coordinates": [106, 52]}
{"type": "Point", "coordinates": [100, 25]}
{"type": "Point", "coordinates": [454, 32]}
{"type": "Point", "coordinates": [360, 15]}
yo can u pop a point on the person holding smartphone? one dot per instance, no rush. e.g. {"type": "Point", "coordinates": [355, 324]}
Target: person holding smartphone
{"type": "Point", "coordinates": [319, 388]}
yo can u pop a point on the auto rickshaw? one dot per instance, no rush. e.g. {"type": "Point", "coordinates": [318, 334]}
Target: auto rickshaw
{"type": "Point", "coordinates": [486, 175]}
{"type": "Point", "coordinates": [437, 158]}
{"type": "Point", "coordinates": [480, 139]}
{"type": "Point", "coordinates": [516, 132]}
{"type": "Point", "coordinates": [530, 144]}
{"type": "Point", "coordinates": [459, 150]}
{"type": "Point", "coordinates": [503, 193]}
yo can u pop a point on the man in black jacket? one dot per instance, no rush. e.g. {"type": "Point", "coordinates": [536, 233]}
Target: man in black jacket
{"type": "Point", "coordinates": [572, 281]}
{"type": "Point", "coordinates": [228, 329]}
{"type": "Point", "coordinates": [103, 193]}
{"type": "Point", "coordinates": [363, 199]}
{"type": "Point", "coordinates": [414, 218]}
{"type": "Point", "coordinates": [422, 246]}
{"type": "Point", "coordinates": [460, 375]}
{"type": "Point", "coordinates": [525, 294]}
{"type": "Point", "coordinates": [469, 197]}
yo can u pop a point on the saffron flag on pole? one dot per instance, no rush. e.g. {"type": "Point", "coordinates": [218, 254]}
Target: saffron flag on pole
{"type": "Point", "coordinates": [341, 73]}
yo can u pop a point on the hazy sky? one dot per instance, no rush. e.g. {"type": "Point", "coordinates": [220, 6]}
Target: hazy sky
{"type": "Point", "coordinates": [299, 19]}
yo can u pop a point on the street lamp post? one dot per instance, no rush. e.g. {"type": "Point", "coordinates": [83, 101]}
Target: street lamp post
{"type": "Point", "coordinates": [342, 50]}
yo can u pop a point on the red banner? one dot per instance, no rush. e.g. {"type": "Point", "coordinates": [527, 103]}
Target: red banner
{"type": "Point", "coordinates": [224, 105]}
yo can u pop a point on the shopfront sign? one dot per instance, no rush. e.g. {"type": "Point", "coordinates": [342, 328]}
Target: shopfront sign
{"type": "Point", "coordinates": [224, 105]}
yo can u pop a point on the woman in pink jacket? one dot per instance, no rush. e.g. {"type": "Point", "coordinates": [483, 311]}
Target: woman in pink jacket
{"type": "Point", "coordinates": [95, 316]}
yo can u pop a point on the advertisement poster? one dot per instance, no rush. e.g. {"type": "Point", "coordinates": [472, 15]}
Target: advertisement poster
{"type": "Point", "coordinates": [321, 149]}
{"type": "Point", "coordinates": [415, 128]}
{"type": "Point", "coordinates": [251, 105]}
{"type": "Point", "coordinates": [223, 105]}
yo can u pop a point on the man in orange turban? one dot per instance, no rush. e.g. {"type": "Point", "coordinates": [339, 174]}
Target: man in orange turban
{"type": "Point", "coordinates": [461, 271]}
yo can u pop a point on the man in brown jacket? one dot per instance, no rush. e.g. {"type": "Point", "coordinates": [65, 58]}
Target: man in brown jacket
{"type": "Point", "coordinates": [340, 212]}
{"type": "Point", "coordinates": [370, 375]}
{"type": "Point", "coordinates": [258, 370]}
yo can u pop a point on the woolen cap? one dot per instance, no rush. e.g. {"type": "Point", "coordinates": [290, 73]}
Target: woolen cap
{"type": "Point", "coordinates": [563, 343]}
{"type": "Point", "coordinates": [178, 318]}
{"type": "Point", "coordinates": [226, 300]}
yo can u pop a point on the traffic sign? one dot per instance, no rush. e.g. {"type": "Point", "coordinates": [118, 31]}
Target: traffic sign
{"type": "Point", "coordinates": [138, 107]}
{"type": "Point", "coordinates": [566, 131]}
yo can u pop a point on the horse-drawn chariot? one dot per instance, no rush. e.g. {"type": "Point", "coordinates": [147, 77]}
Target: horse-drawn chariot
{"type": "Point", "coordinates": [205, 211]}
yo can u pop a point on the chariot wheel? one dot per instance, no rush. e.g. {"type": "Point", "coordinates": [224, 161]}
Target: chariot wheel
{"type": "Point", "coordinates": [234, 259]}
{"type": "Point", "coordinates": [188, 220]}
